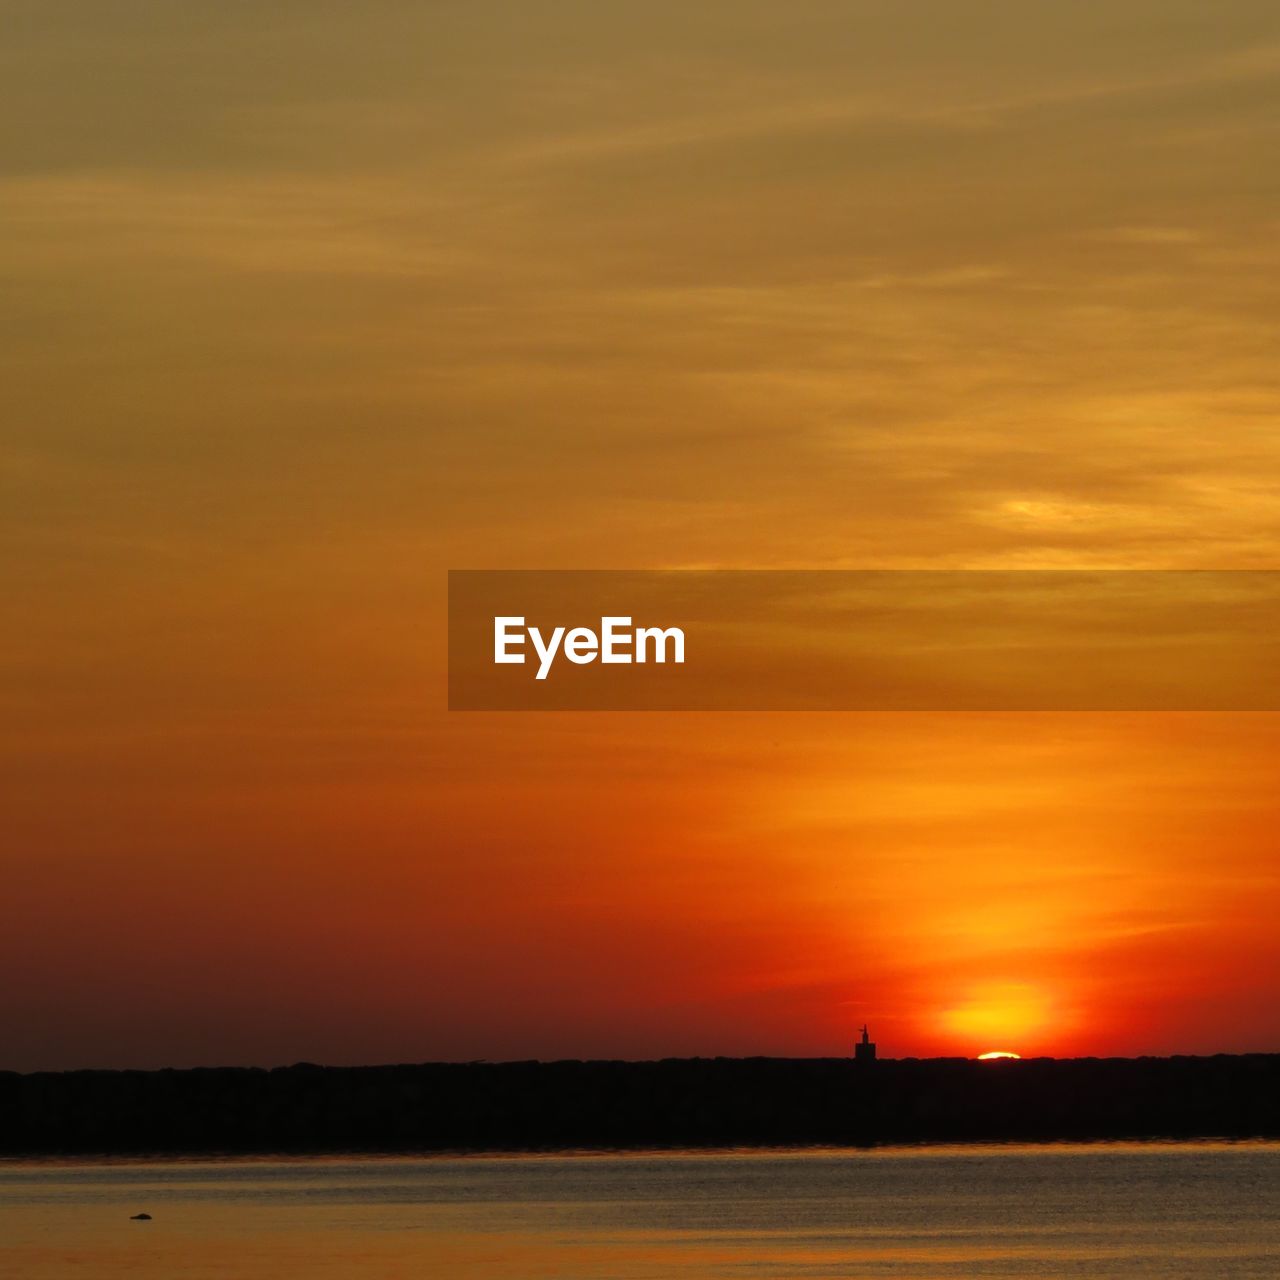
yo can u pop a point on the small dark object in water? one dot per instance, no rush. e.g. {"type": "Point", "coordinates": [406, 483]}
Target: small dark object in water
{"type": "Point", "coordinates": [141, 1217]}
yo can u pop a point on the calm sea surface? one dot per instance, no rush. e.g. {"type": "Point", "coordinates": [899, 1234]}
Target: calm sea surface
{"type": "Point", "coordinates": [1088, 1211]}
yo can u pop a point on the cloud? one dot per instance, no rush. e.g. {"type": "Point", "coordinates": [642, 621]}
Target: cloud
{"type": "Point", "coordinates": [305, 302]}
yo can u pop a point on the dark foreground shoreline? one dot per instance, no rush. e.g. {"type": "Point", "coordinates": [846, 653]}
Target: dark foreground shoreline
{"type": "Point", "coordinates": [688, 1102]}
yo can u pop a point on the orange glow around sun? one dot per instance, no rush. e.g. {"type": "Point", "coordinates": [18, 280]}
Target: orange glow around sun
{"type": "Point", "coordinates": [999, 1011]}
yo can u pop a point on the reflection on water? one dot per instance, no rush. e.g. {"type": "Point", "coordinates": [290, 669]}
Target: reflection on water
{"type": "Point", "coordinates": [1091, 1211]}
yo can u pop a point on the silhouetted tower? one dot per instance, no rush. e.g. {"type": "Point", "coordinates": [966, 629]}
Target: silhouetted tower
{"type": "Point", "coordinates": [865, 1049]}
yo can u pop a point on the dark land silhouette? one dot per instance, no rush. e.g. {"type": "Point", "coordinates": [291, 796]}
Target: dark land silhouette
{"type": "Point", "coordinates": [674, 1102]}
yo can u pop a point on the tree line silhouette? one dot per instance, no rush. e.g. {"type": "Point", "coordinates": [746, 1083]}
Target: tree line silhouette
{"type": "Point", "coordinates": [606, 1104]}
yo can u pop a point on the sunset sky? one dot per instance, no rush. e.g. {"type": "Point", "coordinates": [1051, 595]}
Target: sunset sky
{"type": "Point", "coordinates": [305, 303]}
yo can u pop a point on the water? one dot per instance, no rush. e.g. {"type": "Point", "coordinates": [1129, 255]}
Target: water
{"type": "Point", "coordinates": [1082, 1211]}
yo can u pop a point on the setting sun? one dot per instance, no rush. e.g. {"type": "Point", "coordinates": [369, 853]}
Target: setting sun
{"type": "Point", "coordinates": [999, 1011]}
{"type": "Point", "coordinates": [996, 1054]}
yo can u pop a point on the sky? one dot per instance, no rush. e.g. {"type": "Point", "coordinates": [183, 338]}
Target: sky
{"type": "Point", "coordinates": [306, 303]}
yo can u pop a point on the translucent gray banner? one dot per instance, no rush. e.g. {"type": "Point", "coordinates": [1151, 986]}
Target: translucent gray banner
{"type": "Point", "coordinates": [864, 640]}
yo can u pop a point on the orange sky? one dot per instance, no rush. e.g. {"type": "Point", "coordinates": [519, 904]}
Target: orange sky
{"type": "Point", "coordinates": [306, 303]}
